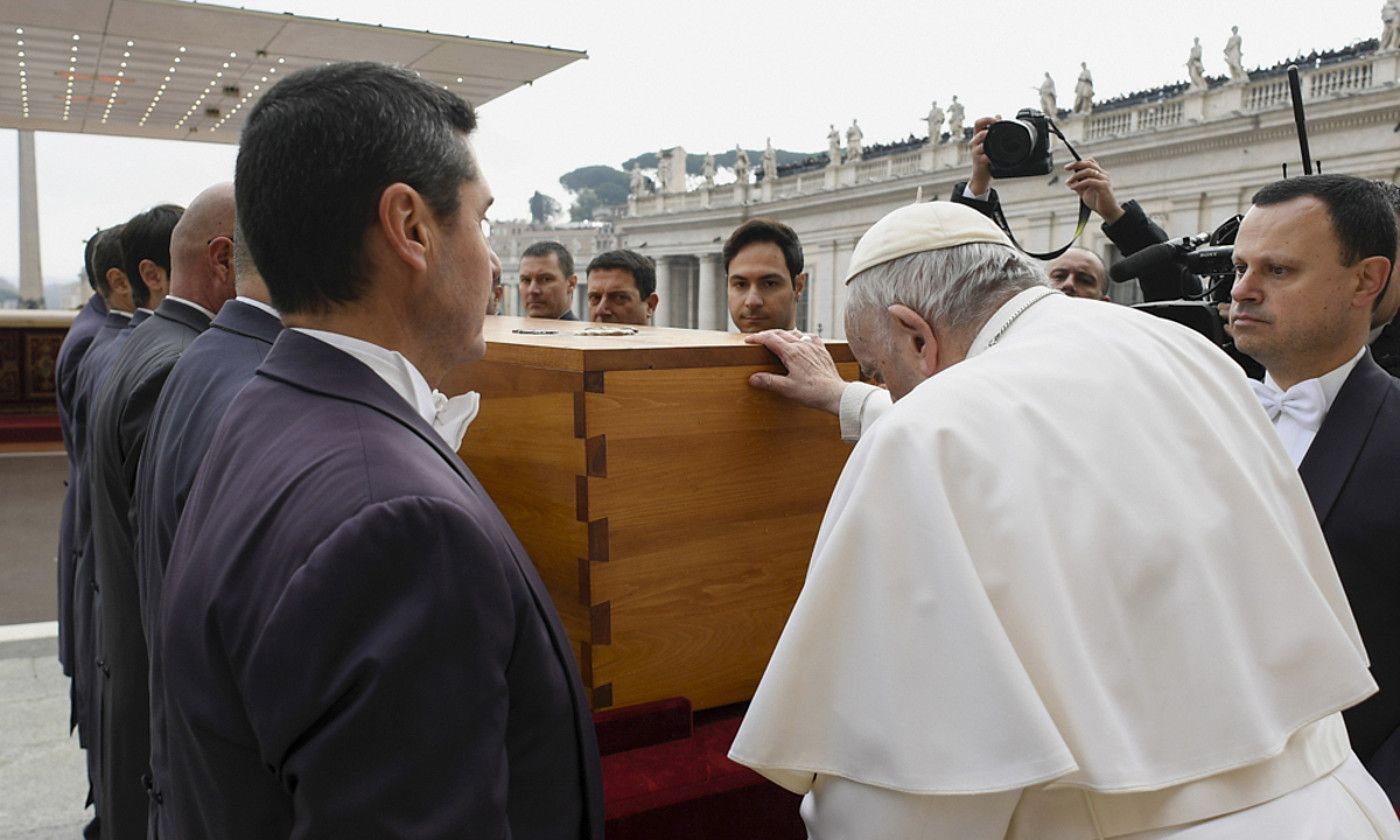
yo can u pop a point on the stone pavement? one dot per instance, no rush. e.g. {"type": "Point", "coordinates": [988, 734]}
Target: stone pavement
{"type": "Point", "coordinates": [42, 778]}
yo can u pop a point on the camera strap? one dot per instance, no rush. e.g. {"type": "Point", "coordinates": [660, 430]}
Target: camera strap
{"type": "Point", "coordinates": [1000, 218]}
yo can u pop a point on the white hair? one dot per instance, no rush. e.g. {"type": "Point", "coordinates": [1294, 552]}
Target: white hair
{"type": "Point", "coordinates": [954, 289]}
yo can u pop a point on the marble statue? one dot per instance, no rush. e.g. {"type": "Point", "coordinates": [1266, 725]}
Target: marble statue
{"type": "Point", "coordinates": [935, 123]}
{"type": "Point", "coordinates": [955, 120]}
{"type": "Point", "coordinates": [770, 161]}
{"type": "Point", "coordinates": [1234, 56]}
{"type": "Point", "coordinates": [1195, 68]}
{"type": "Point", "coordinates": [637, 184]}
{"type": "Point", "coordinates": [741, 164]}
{"type": "Point", "coordinates": [1084, 90]}
{"type": "Point", "coordinates": [1048, 106]}
{"type": "Point", "coordinates": [709, 170]}
{"type": "Point", "coordinates": [833, 145]}
{"type": "Point", "coordinates": [1390, 23]}
{"type": "Point", "coordinates": [663, 177]}
{"type": "Point", "coordinates": [853, 137]}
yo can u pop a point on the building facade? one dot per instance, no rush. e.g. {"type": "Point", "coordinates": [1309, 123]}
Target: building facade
{"type": "Point", "coordinates": [1191, 156]}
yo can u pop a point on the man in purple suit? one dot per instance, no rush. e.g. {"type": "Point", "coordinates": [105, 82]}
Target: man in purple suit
{"type": "Point", "coordinates": [351, 641]}
{"type": "Point", "coordinates": [86, 325]}
{"type": "Point", "coordinates": [204, 381]}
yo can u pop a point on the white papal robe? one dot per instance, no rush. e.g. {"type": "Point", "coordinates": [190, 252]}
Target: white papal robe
{"type": "Point", "coordinates": [1069, 587]}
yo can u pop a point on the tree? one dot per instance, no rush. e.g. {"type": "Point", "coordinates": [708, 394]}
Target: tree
{"type": "Point", "coordinates": [585, 202]}
{"type": "Point", "coordinates": [543, 208]}
{"type": "Point", "coordinates": [609, 185]}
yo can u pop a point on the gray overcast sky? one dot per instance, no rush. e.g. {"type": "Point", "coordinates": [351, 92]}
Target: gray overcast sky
{"type": "Point", "coordinates": [706, 76]}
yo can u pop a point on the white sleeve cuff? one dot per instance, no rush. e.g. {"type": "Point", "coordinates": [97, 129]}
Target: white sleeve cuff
{"type": "Point", "coordinates": [852, 407]}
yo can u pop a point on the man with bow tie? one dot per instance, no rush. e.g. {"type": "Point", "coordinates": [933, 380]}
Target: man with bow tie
{"type": "Point", "coordinates": [1313, 257]}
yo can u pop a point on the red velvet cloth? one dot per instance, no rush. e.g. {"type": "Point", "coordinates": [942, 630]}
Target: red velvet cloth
{"type": "Point", "coordinates": [29, 428]}
{"type": "Point", "coordinates": [633, 727]}
{"type": "Point", "coordinates": [688, 789]}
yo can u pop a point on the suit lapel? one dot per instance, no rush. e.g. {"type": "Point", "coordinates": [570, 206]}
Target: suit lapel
{"type": "Point", "coordinates": [1343, 434]}
{"type": "Point", "coordinates": [248, 321]}
{"type": "Point", "coordinates": [183, 314]}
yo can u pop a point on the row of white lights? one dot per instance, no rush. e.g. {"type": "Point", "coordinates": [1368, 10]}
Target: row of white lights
{"type": "Point", "coordinates": [23, 73]}
{"type": "Point", "coordinates": [121, 76]}
{"type": "Point", "coordinates": [218, 76]}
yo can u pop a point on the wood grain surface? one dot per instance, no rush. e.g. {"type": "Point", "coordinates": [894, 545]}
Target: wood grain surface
{"type": "Point", "coordinates": [670, 508]}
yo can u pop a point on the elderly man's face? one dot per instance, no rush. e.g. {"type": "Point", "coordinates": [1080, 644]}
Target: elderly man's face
{"type": "Point", "coordinates": [884, 355]}
{"type": "Point", "coordinates": [1079, 273]}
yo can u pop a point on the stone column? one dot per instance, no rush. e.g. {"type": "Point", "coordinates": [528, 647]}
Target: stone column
{"type": "Point", "coordinates": [664, 290]}
{"type": "Point", "coordinates": [711, 292]}
{"type": "Point", "coordinates": [31, 273]}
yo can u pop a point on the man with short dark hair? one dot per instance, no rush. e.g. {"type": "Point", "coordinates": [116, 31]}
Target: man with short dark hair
{"type": "Point", "coordinates": [122, 320]}
{"type": "Point", "coordinates": [547, 281]}
{"type": "Point", "coordinates": [763, 267]}
{"type": "Point", "coordinates": [1312, 257]}
{"type": "Point", "coordinates": [351, 640]}
{"type": "Point", "coordinates": [622, 288]}
{"type": "Point", "coordinates": [200, 279]}
{"type": "Point", "coordinates": [83, 330]}
{"type": "Point", "coordinates": [146, 253]}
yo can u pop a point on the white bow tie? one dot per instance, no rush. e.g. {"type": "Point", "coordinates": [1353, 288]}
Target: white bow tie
{"type": "Point", "coordinates": [1303, 403]}
{"type": "Point", "coordinates": [454, 415]}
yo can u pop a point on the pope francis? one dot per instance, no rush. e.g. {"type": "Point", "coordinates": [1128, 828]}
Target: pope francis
{"type": "Point", "coordinates": [1068, 586]}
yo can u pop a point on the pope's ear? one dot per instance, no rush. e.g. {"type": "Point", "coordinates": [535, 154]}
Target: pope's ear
{"type": "Point", "coordinates": [911, 333]}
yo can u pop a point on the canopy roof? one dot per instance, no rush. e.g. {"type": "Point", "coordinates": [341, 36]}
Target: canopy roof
{"type": "Point", "coordinates": [175, 70]}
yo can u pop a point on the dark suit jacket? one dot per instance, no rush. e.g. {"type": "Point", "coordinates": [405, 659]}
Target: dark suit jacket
{"type": "Point", "coordinates": [204, 381]}
{"type": "Point", "coordinates": [118, 436]}
{"type": "Point", "coordinates": [1132, 232]}
{"type": "Point", "coordinates": [352, 642]}
{"type": "Point", "coordinates": [83, 637]}
{"type": "Point", "coordinates": [1352, 473]}
{"type": "Point", "coordinates": [80, 335]}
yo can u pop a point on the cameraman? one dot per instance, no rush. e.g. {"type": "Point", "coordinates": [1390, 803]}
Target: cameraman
{"type": "Point", "coordinates": [1126, 225]}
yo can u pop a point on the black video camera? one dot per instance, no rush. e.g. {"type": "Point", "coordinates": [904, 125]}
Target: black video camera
{"type": "Point", "coordinates": [1020, 148]}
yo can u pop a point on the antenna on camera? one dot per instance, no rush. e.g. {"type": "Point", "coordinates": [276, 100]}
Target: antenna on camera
{"type": "Point", "coordinates": [1295, 90]}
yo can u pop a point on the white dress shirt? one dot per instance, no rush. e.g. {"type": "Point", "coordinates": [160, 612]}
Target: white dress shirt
{"type": "Point", "coordinates": [1295, 433]}
{"type": "Point", "coordinates": [192, 305]}
{"type": "Point", "coordinates": [448, 417]}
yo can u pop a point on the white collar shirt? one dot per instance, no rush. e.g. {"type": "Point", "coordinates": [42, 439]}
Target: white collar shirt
{"type": "Point", "coordinates": [448, 417]}
{"type": "Point", "coordinates": [1298, 429]}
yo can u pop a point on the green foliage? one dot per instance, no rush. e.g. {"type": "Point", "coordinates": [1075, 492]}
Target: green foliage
{"type": "Point", "coordinates": [543, 208]}
{"type": "Point", "coordinates": [585, 202]}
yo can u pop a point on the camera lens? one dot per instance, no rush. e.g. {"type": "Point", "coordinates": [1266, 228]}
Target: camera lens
{"type": "Point", "coordinates": [1009, 142]}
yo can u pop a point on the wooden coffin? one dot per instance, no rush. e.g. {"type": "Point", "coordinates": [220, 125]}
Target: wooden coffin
{"type": "Point", "coordinates": [670, 508]}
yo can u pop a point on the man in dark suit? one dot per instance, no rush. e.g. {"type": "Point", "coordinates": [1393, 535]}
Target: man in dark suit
{"type": "Point", "coordinates": [199, 281]}
{"type": "Point", "coordinates": [352, 642]}
{"type": "Point", "coordinates": [1313, 257]}
{"type": "Point", "coordinates": [547, 281]}
{"type": "Point", "coordinates": [203, 382]}
{"type": "Point", "coordinates": [77, 586]}
{"type": "Point", "coordinates": [75, 345]}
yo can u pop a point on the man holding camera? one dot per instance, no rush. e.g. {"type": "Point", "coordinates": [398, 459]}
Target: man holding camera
{"type": "Point", "coordinates": [1312, 259]}
{"type": "Point", "coordinates": [1126, 225]}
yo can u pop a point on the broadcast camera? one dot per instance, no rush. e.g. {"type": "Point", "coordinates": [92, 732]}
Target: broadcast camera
{"type": "Point", "coordinates": [1020, 147]}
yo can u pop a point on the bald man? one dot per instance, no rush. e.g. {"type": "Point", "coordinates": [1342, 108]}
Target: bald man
{"type": "Point", "coordinates": [1079, 273]}
{"type": "Point", "coordinates": [201, 280]}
